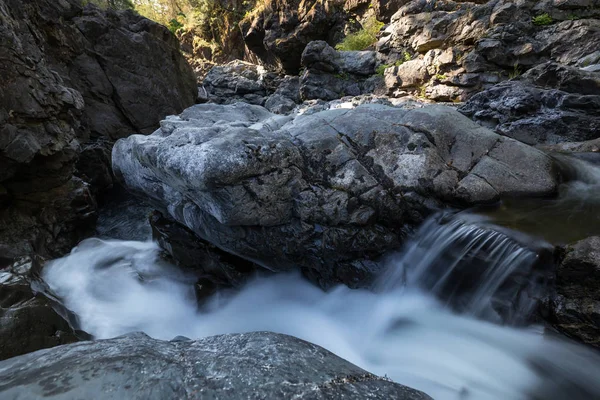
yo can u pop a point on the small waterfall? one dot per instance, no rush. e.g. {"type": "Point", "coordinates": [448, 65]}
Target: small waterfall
{"type": "Point", "coordinates": [476, 269]}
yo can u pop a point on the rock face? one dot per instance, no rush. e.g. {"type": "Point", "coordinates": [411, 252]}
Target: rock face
{"type": "Point", "coordinates": [328, 191]}
{"type": "Point", "coordinates": [239, 366]}
{"type": "Point", "coordinates": [277, 34]}
{"type": "Point", "coordinates": [74, 79]}
{"type": "Point", "coordinates": [29, 321]}
{"type": "Point", "coordinates": [253, 84]}
{"type": "Point", "coordinates": [463, 47]}
{"type": "Point", "coordinates": [330, 74]}
{"type": "Point", "coordinates": [213, 266]}
{"type": "Point", "coordinates": [549, 104]}
{"type": "Point", "coordinates": [441, 50]}
{"type": "Point", "coordinates": [576, 307]}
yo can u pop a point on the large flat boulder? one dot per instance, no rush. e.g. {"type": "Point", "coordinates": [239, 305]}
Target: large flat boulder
{"type": "Point", "coordinates": [329, 191]}
{"type": "Point", "coordinates": [240, 366]}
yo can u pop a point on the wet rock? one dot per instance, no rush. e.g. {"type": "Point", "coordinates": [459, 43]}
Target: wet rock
{"type": "Point", "coordinates": [326, 191]}
{"type": "Point", "coordinates": [576, 306]}
{"type": "Point", "coordinates": [551, 103]}
{"type": "Point", "coordinates": [74, 79]}
{"type": "Point", "coordinates": [246, 365]}
{"type": "Point", "coordinates": [29, 320]}
{"type": "Point", "coordinates": [205, 260]}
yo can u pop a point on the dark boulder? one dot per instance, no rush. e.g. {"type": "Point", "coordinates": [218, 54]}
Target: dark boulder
{"type": "Point", "coordinates": [213, 266]}
{"type": "Point", "coordinates": [576, 305]}
{"type": "Point", "coordinates": [330, 74]}
{"type": "Point", "coordinates": [327, 192]}
{"type": "Point", "coordinates": [278, 32]}
{"type": "Point", "coordinates": [29, 320]}
{"type": "Point", "coordinates": [549, 104]}
{"type": "Point", "coordinates": [73, 80]}
{"type": "Point", "coordinates": [238, 366]}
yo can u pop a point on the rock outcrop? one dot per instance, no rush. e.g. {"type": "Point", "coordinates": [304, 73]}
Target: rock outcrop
{"type": "Point", "coordinates": [327, 192]}
{"type": "Point", "coordinates": [238, 366]}
{"type": "Point", "coordinates": [549, 104]}
{"type": "Point", "coordinates": [253, 84]}
{"type": "Point", "coordinates": [29, 320]}
{"type": "Point", "coordinates": [73, 80]}
{"type": "Point", "coordinates": [459, 48]}
{"type": "Point", "coordinates": [277, 33]}
{"type": "Point", "coordinates": [330, 74]}
{"type": "Point", "coordinates": [440, 50]}
{"type": "Point", "coordinates": [576, 306]}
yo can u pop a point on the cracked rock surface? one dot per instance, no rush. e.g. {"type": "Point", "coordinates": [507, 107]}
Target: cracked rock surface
{"type": "Point", "coordinates": [327, 192]}
{"type": "Point", "coordinates": [258, 365]}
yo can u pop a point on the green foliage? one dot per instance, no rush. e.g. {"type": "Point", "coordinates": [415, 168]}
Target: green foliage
{"type": "Point", "coordinates": [440, 77]}
{"type": "Point", "coordinates": [515, 72]}
{"type": "Point", "coordinates": [542, 19]}
{"type": "Point", "coordinates": [405, 57]}
{"type": "Point", "coordinates": [573, 17]}
{"type": "Point", "coordinates": [342, 75]}
{"type": "Point", "coordinates": [114, 4]}
{"type": "Point", "coordinates": [363, 38]}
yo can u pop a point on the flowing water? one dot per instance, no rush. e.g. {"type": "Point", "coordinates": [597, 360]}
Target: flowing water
{"type": "Point", "coordinates": [572, 216]}
{"type": "Point", "coordinates": [442, 318]}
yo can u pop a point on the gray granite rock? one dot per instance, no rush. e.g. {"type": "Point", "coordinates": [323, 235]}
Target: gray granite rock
{"type": "Point", "coordinates": [259, 365]}
{"type": "Point", "coordinates": [327, 192]}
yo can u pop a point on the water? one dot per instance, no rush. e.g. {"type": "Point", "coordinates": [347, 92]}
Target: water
{"type": "Point", "coordinates": [416, 328]}
{"type": "Point", "coordinates": [473, 267]}
{"type": "Point", "coordinates": [573, 215]}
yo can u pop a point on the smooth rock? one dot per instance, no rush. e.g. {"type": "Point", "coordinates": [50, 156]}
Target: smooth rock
{"type": "Point", "coordinates": [237, 366]}
{"type": "Point", "coordinates": [29, 320]}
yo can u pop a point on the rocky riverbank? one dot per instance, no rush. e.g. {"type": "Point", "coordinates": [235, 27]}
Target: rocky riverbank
{"type": "Point", "coordinates": [301, 158]}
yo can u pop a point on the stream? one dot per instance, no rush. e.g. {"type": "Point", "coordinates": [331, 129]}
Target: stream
{"type": "Point", "coordinates": [450, 315]}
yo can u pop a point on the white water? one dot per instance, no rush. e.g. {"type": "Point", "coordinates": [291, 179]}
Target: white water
{"type": "Point", "coordinates": [402, 332]}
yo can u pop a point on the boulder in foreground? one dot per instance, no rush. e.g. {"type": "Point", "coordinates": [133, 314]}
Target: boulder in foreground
{"type": "Point", "coordinates": [259, 365]}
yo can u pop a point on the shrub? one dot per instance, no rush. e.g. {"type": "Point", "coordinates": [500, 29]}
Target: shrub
{"type": "Point", "coordinates": [363, 38]}
{"type": "Point", "coordinates": [515, 72]}
{"type": "Point", "coordinates": [174, 25]}
{"type": "Point", "coordinates": [381, 69]}
{"type": "Point", "coordinates": [543, 19]}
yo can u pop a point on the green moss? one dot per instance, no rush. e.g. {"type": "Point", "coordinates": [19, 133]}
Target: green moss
{"type": "Point", "coordinates": [363, 38]}
{"type": "Point", "coordinates": [542, 19]}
